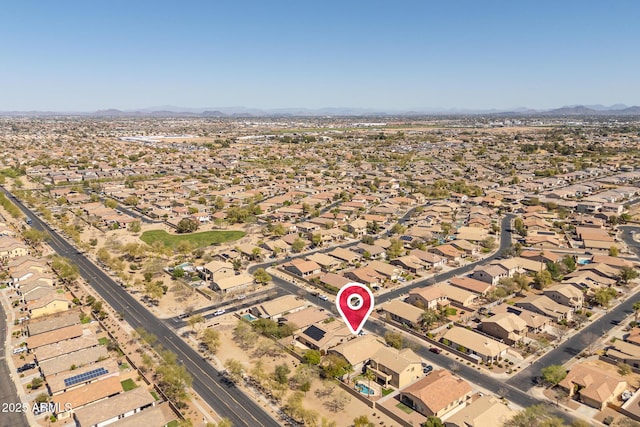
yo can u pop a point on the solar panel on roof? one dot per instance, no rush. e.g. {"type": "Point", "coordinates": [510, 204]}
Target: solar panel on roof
{"type": "Point", "coordinates": [406, 238]}
{"type": "Point", "coordinates": [80, 378]}
{"type": "Point", "coordinates": [314, 333]}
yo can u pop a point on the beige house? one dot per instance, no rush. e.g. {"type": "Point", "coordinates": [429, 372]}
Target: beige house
{"type": "Point", "coordinates": [52, 303]}
{"type": "Point", "coordinates": [566, 294]}
{"type": "Point", "coordinates": [480, 346]}
{"type": "Point", "coordinates": [358, 350]}
{"type": "Point", "coordinates": [430, 297]}
{"type": "Point", "coordinates": [401, 312]}
{"type": "Point", "coordinates": [505, 326]}
{"type": "Point", "coordinates": [436, 394]}
{"type": "Point", "coordinates": [280, 307]}
{"type": "Point", "coordinates": [394, 367]}
{"type": "Point", "coordinates": [624, 352]}
{"type": "Point", "coordinates": [484, 411]}
{"type": "Point", "coordinates": [593, 386]}
{"type": "Point", "coordinates": [12, 248]}
{"type": "Point", "coordinates": [303, 268]}
{"type": "Point", "coordinates": [235, 283]}
{"type": "Point", "coordinates": [546, 306]}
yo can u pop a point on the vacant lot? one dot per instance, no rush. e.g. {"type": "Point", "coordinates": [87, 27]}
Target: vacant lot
{"type": "Point", "coordinates": [197, 240]}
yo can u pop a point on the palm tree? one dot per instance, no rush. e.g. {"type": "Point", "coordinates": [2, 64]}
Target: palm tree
{"type": "Point", "coordinates": [428, 318]}
{"type": "Point", "coordinates": [369, 375]}
{"type": "Point", "coordinates": [636, 310]}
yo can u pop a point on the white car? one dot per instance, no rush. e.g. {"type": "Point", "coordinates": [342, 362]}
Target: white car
{"type": "Point", "coordinates": [241, 297]}
{"type": "Point", "coordinates": [219, 312]}
{"type": "Point", "coordinates": [324, 297]}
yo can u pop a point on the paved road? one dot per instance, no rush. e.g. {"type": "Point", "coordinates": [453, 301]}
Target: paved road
{"type": "Point", "coordinates": [227, 401]}
{"type": "Point", "coordinates": [575, 345]}
{"type": "Point", "coordinates": [8, 392]}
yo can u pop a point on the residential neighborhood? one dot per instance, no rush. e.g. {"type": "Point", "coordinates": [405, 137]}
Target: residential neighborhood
{"type": "Point", "coordinates": [164, 268]}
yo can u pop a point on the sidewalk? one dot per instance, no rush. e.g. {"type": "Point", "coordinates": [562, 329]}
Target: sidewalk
{"type": "Point", "coordinates": [8, 356]}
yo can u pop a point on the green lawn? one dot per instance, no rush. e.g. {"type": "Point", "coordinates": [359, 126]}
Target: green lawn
{"type": "Point", "coordinates": [128, 384]}
{"type": "Point", "coordinates": [103, 341]}
{"type": "Point", "coordinates": [155, 395]}
{"type": "Point", "coordinates": [173, 423]}
{"type": "Point", "coordinates": [198, 240]}
{"type": "Point", "coordinates": [387, 391]}
{"type": "Point", "coordinates": [404, 408]}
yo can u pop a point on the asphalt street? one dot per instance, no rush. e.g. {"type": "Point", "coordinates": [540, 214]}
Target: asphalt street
{"type": "Point", "coordinates": [9, 416]}
{"type": "Point", "coordinates": [227, 401]}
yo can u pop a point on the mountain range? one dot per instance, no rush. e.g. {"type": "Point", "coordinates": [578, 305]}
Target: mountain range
{"type": "Point", "coordinates": [174, 111]}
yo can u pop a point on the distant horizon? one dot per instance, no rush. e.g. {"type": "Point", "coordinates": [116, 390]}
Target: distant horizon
{"type": "Point", "coordinates": [462, 55]}
{"type": "Point", "coordinates": [198, 110]}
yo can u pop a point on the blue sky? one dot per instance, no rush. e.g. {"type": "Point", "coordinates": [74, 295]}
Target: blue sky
{"type": "Point", "coordinates": [88, 55]}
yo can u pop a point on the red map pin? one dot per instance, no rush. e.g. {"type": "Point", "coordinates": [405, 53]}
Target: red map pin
{"type": "Point", "coordinates": [355, 303]}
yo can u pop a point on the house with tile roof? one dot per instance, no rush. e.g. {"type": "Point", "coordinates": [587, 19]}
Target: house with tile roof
{"type": "Point", "coordinates": [594, 387]}
{"type": "Point", "coordinates": [436, 394]}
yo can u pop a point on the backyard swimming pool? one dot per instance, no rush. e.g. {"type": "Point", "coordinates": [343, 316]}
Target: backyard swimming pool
{"type": "Point", "coordinates": [364, 389]}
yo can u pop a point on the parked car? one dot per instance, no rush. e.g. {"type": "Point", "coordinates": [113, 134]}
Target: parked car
{"type": "Point", "coordinates": [427, 369]}
{"type": "Point", "coordinates": [219, 312]}
{"type": "Point", "coordinates": [324, 297]}
{"type": "Point", "coordinates": [20, 350]}
{"type": "Point", "coordinates": [26, 367]}
{"type": "Point", "coordinates": [241, 297]}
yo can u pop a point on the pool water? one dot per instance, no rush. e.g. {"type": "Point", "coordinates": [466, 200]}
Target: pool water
{"type": "Point", "coordinates": [364, 389]}
{"type": "Point", "coordinates": [584, 262]}
{"type": "Point", "coordinates": [249, 317]}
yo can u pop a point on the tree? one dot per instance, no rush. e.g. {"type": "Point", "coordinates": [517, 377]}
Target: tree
{"type": "Point", "coordinates": [278, 230]}
{"type": "Point", "coordinates": [398, 228]}
{"type": "Point", "coordinates": [542, 279]}
{"type": "Point", "coordinates": [255, 253]}
{"type": "Point", "coordinates": [570, 262]}
{"type": "Point", "coordinates": [42, 398]}
{"type": "Point", "coordinates": [312, 357]}
{"type": "Point", "coordinates": [36, 383]}
{"type": "Point", "coordinates": [428, 318]}
{"type": "Point", "coordinates": [624, 369]}
{"type": "Point", "coordinates": [338, 402]}
{"type": "Point", "coordinates": [518, 225]}
{"type": "Point", "coordinates": [35, 237]}
{"type": "Point", "coordinates": [396, 249]}
{"type": "Point", "coordinates": [135, 227]}
{"type": "Point", "coordinates": [334, 366]}
{"type": "Point", "coordinates": [224, 422]}
{"type": "Point", "coordinates": [553, 374]}
{"type": "Point", "coordinates": [154, 290]}
{"type": "Point", "coordinates": [613, 251]}
{"type": "Point", "coordinates": [488, 243]}
{"type": "Point", "coordinates": [281, 373]}
{"type": "Point", "coordinates": [373, 227]}
{"type": "Point", "coordinates": [195, 321]}
{"type": "Point", "coordinates": [316, 239]}
{"type": "Point", "coordinates": [261, 276]}
{"type": "Point", "coordinates": [131, 200]}
{"type": "Point", "coordinates": [174, 378]}
{"type": "Point", "coordinates": [110, 203]}
{"type": "Point", "coordinates": [603, 296]}
{"type": "Point", "coordinates": [235, 369]}
{"type": "Point", "coordinates": [534, 416]}
{"type": "Point", "coordinates": [636, 310]}
{"type": "Point", "coordinates": [393, 339]}
{"type": "Point", "coordinates": [244, 335]}
{"type": "Point", "coordinates": [187, 225]}
{"type": "Point", "coordinates": [362, 421]}
{"type": "Point", "coordinates": [627, 274]}
{"type": "Point", "coordinates": [433, 422]}
{"type": "Point", "coordinates": [178, 273]}
{"type": "Point", "coordinates": [298, 245]}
